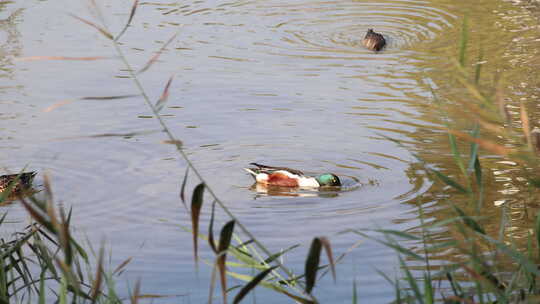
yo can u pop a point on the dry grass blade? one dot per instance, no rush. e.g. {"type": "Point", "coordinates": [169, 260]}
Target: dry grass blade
{"type": "Point", "coordinates": [109, 97]}
{"type": "Point", "coordinates": [535, 134]}
{"type": "Point", "coordinates": [456, 299]}
{"type": "Point", "coordinates": [129, 134]}
{"type": "Point", "coordinates": [164, 96]}
{"type": "Point", "coordinates": [131, 15]}
{"type": "Point", "coordinates": [68, 101]}
{"type": "Point", "coordinates": [156, 56]}
{"type": "Point", "coordinates": [485, 144]}
{"type": "Point", "coordinates": [196, 205]}
{"type": "Point", "coordinates": [312, 264]}
{"type": "Point", "coordinates": [297, 298]}
{"type": "Point", "coordinates": [37, 58]}
{"type": "Point", "coordinates": [328, 248]}
{"type": "Point", "coordinates": [71, 278]}
{"type": "Point", "coordinates": [252, 284]}
{"type": "Point", "coordinates": [136, 293]}
{"type": "Point", "coordinates": [122, 265]}
{"type": "Point", "coordinates": [100, 29]}
{"type": "Point", "coordinates": [224, 243]}
{"type": "Point", "coordinates": [212, 283]}
{"type": "Point", "coordinates": [96, 285]}
{"type": "Point", "coordinates": [494, 282]}
{"type": "Point", "coordinates": [211, 229]}
{"type": "Point", "coordinates": [36, 215]}
{"type": "Point", "coordinates": [503, 110]}
{"type": "Point", "coordinates": [491, 127]}
{"type": "Point", "coordinates": [475, 92]}
{"type": "Point", "coordinates": [183, 188]}
{"type": "Point", "coordinates": [175, 142]}
{"type": "Point", "coordinates": [49, 201]}
{"type": "Point", "coordinates": [525, 124]}
{"type": "Point", "coordinates": [59, 104]}
{"type": "Point", "coordinates": [123, 135]}
{"type": "Point", "coordinates": [65, 238]}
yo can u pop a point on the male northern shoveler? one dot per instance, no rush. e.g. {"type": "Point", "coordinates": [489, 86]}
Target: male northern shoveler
{"type": "Point", "coordinates": [22, 181]}
{"type": "Point", "coordinates": [374, 41]}
{"type": "Point", "coordinates": [286, 177]}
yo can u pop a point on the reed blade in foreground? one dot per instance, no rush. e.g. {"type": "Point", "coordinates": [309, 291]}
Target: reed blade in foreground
{"type": "Point", "coordinates": [224, 243]}
{"type": "Point", "coordinates": [252, 284]}
{"type": "Point", "coordinates": [196, 205]}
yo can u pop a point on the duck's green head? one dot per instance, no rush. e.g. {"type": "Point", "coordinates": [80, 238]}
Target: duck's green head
{"type": "Point", "coordinates": [328, 179]}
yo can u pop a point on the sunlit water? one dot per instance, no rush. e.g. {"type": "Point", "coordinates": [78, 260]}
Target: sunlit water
{"type": "Point", "coordinates": [278, 82]}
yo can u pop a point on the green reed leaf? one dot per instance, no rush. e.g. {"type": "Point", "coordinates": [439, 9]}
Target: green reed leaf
{"type": "Point", "coordinates": [473, 154]}
{"type": "Point", "coordinates": [535, 182]}
{"type": "Point", "coordinates": [398, 233]}
{"type": "Point", "coordinates": [196, 205]}
{"type": "Point", "coordinates": [428, 290]}
{"type": "Point", "coordinates": [312, 264]}
{"type": "Point", "coordinates": [41, 296]}
{"type": "Point", "coordinates": [4, 297]}
{"type": "Point", "coordinates": [354, 292]}
{"type": "Point", "coordinates": [479, 182]}
{"type": "Point", "coordinates": [478, 67]}
{"type": "Point", "coordinates": [62, 297]}
{"type": "Point", "coordinates": [517, 256]}
{"type": "Point", "coordinates": [469, 221]}
{"type": "Point", "coordinates": [271, 286]}
{"type": "Point", "coordinates": [463, 41]}
{"type": "Point", "coordinates": [252, 284]}
{"type": "Point", "coordinates": [449, 181]}
{"type": "Point", "coordinates": [537, 231]}
{"type": "Point", "coordinates": [274, 256]}
{"type": "Point", "coordinates": [455, 151]}
{"type": "Point", "coordinates": [411, 280]}
{"type": "Point", "coordinates": [392, 245]}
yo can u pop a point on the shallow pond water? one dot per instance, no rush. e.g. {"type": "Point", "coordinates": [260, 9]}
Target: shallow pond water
{"type": "Point", "coordinates": [279, 82]}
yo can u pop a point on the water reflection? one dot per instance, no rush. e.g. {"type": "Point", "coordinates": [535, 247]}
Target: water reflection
{"type": "Point", "coordinates": [508, 203]}
{"type": "Point", "coordinates": [10, 44]}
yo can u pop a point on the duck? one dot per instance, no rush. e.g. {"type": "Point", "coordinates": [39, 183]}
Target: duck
{"type": "Point", "coordinates": [22, 181]}
{"type": "Point", "coordinates": [374, 41]}
{"type": "Point", "coordinates": [287, 177]}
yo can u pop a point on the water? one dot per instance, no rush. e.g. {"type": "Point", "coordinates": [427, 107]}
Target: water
{"type": "Point", "coordinates": [278, 82]}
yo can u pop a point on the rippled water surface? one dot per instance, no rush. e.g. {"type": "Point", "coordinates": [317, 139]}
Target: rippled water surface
{"type": "Point", "coordinates": [279, 82]}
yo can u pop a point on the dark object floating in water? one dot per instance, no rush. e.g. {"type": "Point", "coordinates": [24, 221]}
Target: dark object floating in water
{"type": "Point", "coordinates": [21, 182]}
{"type": "Point", "coordinates": [374, 41]}
{"type": "Point", "coordinates": [286, 177]}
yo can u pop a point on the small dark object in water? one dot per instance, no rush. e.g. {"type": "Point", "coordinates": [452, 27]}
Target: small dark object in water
{"type": "Point", "coordinates": [23, 182]}
{"type": "Point", "coordinates": [374, 41]}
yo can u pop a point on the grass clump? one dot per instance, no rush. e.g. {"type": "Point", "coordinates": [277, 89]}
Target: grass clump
{"type": "Point", "coordinates": [43, 263]}
{"type": "Point", "coordinates": [462, 258]}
